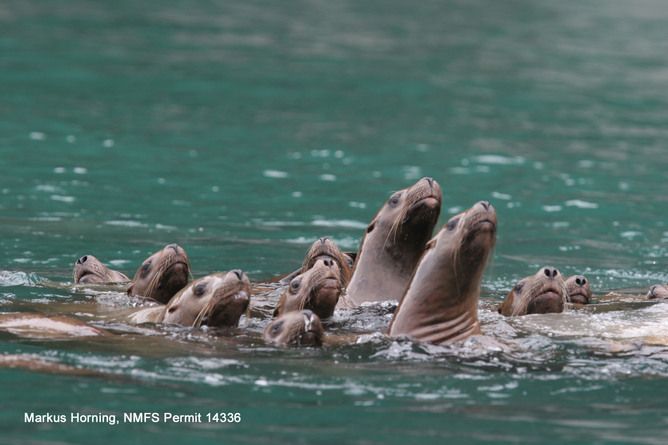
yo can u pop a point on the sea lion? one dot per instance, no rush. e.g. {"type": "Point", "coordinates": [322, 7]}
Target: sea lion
{"type": "Point", "coordinates": [579, 291]}
{"type": "Point", "coordinates": [297, 328]}
{"type": "Point", "coordinates": [658, 291]}
{"type": "Point", "coordinates": [216, 300]}
{"type": "Point", "coordinates": [162, 274]}
{"type": "Point", "coordinates": [35, 325]}
{"type": "Point", "coordinates": [542, 293]}
{"type": "Point", "coordinates": [90, 270]}
{"type": "Point", "coordinates": [317, 289]}
{"type": "Point", "coordinates": [440, 304]}
{"type": "Point", "coordinates": [393, 244]}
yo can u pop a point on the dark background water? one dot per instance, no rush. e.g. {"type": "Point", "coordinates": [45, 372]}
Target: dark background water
{"type": "Point", "coordinates": [244, 130]}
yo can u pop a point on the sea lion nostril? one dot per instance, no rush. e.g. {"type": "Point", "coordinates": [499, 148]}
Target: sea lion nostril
{"type": "Point", "coordinates": [485, 204]}
{"type": "Point", "coordinates": [238, 273]}
{"type": "Point", "coordinates": [550, 272]}
{"type": "Point", "coordinates": [328, 262]}
{"type": "Point", "coordinates": [429, 180]}
{"type": "Point", "coordinates": [323, 240]}
{"type": "Point", "coordinates": [83, 259]}
{"type": "Point", "coordinates": [580, 281]}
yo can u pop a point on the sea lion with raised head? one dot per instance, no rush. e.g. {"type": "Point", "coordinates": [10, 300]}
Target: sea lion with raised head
{"type": "Point", "coordinates": [90, 270]}
{"type": "Point", "coordinates": [296, 328]}
{"type": "Point", "coordinates": [393, 244]}
{"type": "Point", "coordinates": [162, 274]}
{"type": "Point", "coordinates": [542, 293]}
{"type": "Point", "coordinates": [658, 291]}
{"type": "Point", "coordinates": [216, 300]}
{"type": "Point", "coordinates": [317, 289]}
{"type": "Point", "coordinates": [440, 304]}
{"type": "Point", "coordinates": [579, 291]}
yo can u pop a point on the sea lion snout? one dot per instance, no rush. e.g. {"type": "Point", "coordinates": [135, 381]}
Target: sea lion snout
{"type": "Point", "coordinates": [551, 272]}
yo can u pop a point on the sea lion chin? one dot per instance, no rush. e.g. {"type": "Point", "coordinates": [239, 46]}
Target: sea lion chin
{"type": "Point", "coordinates": [393, 244]}
{"type": "Point", "coordinates": [440, 304]}
{"type": "Point", "coordinates": [90, 270]}
{"type": "Point", "coordinates": [296, 328]}
{"type": "Point", "coordinates": [162, 274]}
{"type": "Point", "coordinates": [542, 293]}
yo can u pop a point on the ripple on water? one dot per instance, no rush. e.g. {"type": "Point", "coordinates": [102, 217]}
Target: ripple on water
{"type": "Point", "coordinates": [11, 278]}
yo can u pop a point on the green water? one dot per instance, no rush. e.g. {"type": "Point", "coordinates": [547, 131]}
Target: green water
{"type": "Point", "coordinates": [244, 131]}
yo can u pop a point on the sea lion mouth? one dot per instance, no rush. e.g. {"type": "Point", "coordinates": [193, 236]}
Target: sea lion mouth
{"type": "Point", "coordinates": [579, 297]}
{"type": "Point", "coordinates": [309, 338]}
{"type": "Point", "coordinates": [549, 301]}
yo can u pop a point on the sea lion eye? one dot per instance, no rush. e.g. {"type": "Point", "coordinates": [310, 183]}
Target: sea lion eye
{"type": "Point", "coordinates": [199, 289]}
{"type": "Point", "coordinates": [518, 287]}
{"type": "Point", "coordinates": [145, 268]}
{"type": "Point", "coordinates": [394, 200]}
{"type": "Point", "coordinates": [294, 284]}
{"type": "Point", "coordinates": [452, 224]}
{"type": "Point", "coordinates": [371, 227]}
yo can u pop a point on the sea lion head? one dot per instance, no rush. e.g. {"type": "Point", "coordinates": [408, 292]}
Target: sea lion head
{"type": "Point", "coordinates": [441, 302]}
{"type": "Point", "coordinates": [216, 300]}
{"type": "Point", "coordinates": [466, 242]}
{"type": "Point", "coordinates": [542, 293]}
{"type": "Point", "coordinates": [325, 248]}
{"type": "Point", "coordinates": [317, 289]}
{"type": "Point", "coordinates": [90, 270]}
{"type": "Point", "coordinates": [394, 242]}
{"type": "Point", "coordinates": [408, 216]}
{"type": "Point", "coordinates": [579, 291]}
{"type": "Point", "coordinates": [296, 328]}
{"type": "Point", "coordinates": [659, 291]}
{"type": "Point", "coordinates": [162, 274]}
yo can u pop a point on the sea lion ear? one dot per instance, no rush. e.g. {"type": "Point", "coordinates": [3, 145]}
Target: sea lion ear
{"type": "Point", "coordinates": [130, 288]}
{"type": "Point", "coordinates": [430, 244]}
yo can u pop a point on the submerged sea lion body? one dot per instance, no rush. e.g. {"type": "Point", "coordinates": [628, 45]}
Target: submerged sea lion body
{"type": "Point", "coordinates": [579, 291]}
{"type": "Point", "coordinates": [440, 304]}
{"type": "Point", "coordinates": [90, 270]}
{"type": "Point", "coordinates": [393, 244]}
{"type": "Point", "coordinates": [216, 300]}
{"type": "Point", "coordinates": [162, 274]}
{"type": "Point", "coordinates": [542, 293]}
{"type": "Point", "coordinates": [34, 325]}
{"type": "Point", "coordinates": [317, 289]}
{"type": "Point", "coordinates": [296, 328]}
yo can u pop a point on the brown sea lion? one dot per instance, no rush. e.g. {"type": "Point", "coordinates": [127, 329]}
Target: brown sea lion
{"type": "Point", "coordinates": [658, 291]}
{"type": "Point", "coordinates": [162, 274]}
{"type": "Point", "coordinates": [393, 244]}
{"type": "Point", "coordinates": [542, 293]}
{"type": "Point", "coordinates": [35, 325]}
{"type": "Point", "coordinates": [440, 304]}
{"type": "Point", "coordinates": [297, 328]}
{"type": "Point", "coordinates": [90, 270]}
{"type": "Point", "coordinates": [216, 300]}
{"type": "Point", "coordinates": [317, 289]}
{"type": "Point", "coordinates": [579, 291]}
